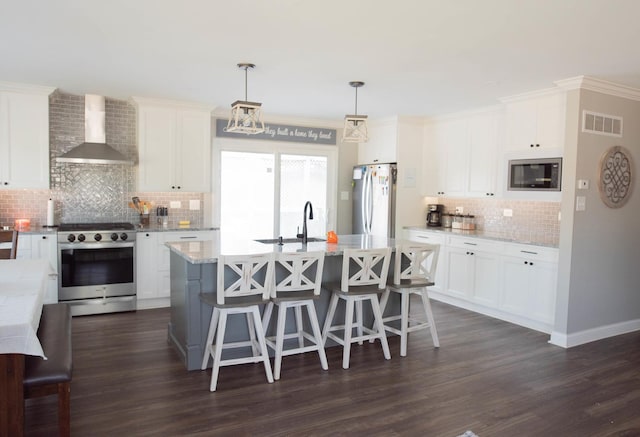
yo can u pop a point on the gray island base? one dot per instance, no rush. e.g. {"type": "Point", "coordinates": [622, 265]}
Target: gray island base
{"type": "Point", "coordinates": [193, 271]}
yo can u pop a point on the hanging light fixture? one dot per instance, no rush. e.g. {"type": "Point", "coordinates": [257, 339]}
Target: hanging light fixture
{"type": "Point", "coordinates": [246, 117]}
{"type": "Point", "coordinates": [355, 126]}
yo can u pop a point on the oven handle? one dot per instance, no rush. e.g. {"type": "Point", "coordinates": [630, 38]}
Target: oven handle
{"type": "Point", "coordinates": [95, 245]}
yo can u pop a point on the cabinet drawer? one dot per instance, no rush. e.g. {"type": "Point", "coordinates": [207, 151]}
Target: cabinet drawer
{"type": "Point", "coordinates": [540, 253]}
{"type": "Point", "coordinates": [166, 237]}
{"type": "Point", "coordinates": [425, 237]}
{"type": "Point", "coordinates": [476, 244]}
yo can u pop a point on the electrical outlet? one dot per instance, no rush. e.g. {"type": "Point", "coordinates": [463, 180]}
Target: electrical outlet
{"type": "Point", "coordinates": [507, 212]}
{"type": "Point", "coordinates": [581, 203]}
{"type": "Point", "coordinates": [459, 209]}
{"type": "Point", "coordinates": [344, 195]}
{"type": "Point", "coordinates": [559, 216]}
{"type": "Point", "coordinates": [194, 205]}
{"type": "Point", "coordinates": [175, 204]}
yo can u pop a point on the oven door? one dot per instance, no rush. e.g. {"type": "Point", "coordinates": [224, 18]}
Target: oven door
{"type": "Point", "coordinates": [96, 270]}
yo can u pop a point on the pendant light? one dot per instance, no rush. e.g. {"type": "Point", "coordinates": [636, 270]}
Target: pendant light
{"type": "Point", "coordinates": [246, 117]}
{"type": "Point", "coordinates": [355, 126]}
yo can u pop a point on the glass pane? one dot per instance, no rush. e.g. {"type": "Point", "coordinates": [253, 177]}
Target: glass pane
{"type": "Point", "coordinates": [303, 178]}
{"type": "Point", "coordinates": [247, 194]}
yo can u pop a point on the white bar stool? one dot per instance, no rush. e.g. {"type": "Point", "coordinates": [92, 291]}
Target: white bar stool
{"type": "Point", "coordinates": [418, 275]}
{"type": "Point", "coordinates": [250, 278]}
{"type": "Point", "coordinates": [364, 277]}
{"type": "Point", "coordinates": [298, 287]}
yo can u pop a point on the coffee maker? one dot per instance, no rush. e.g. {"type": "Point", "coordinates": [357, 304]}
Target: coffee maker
{"type": "Point", "coordinates": [434, 215]}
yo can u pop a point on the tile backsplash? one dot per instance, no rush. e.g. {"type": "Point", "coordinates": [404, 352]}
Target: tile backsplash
{"type": "Point", "coordinates": [91, 192]}
{"type": "Point", "coordinates": [532, 221]}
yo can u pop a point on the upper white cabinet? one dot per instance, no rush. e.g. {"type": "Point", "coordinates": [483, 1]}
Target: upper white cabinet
{"type": "Point", "coordinates": [382, 144]}
{"type": "Point", "coordinates": [24, 136]}
{"type": "Point", "coordinates": [535, 122]}
{"type": "Point", "coordinates": [461, 155]}
{"type": "Point", "coordinates": [174, 146]}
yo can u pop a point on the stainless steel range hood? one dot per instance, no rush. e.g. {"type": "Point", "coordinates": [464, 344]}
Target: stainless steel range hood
{"type": "Point", "coordinates": [94, 150]}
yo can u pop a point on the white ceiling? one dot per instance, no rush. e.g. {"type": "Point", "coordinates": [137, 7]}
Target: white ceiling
{"type": "Point", "coordinates": [417, 57]}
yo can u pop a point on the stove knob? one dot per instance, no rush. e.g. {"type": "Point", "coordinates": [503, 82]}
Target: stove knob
{"type": "Point", "coordinates": [97, 237]}
{"type": "Point", "coordinates": [81, 237]}
{"type": "Point", "coordinates": [123, 236]}
{"type": "Point", "coordinates": [114, 236]}
{"type": "Point", "coordinates": [71, 238]}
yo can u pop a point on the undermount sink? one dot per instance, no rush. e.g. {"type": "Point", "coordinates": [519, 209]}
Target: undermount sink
{"type": "Point", "coordinates": [288, 240]}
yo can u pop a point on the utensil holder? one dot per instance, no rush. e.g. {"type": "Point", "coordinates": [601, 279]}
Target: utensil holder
{"type": "Point", "coordinates": [144, 219]}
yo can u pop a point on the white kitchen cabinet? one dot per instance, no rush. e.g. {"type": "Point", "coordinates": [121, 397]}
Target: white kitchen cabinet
{"type": "Point", "coordinates": [530, 282]}
{"type": "Point", "coordinates": [431, 238]}
{"type": "Point", "coordinates": [174, 146]}
{"type": "Point", "coordinates": [153, 280]}
{"type": "Point", "coordinates": [42, 246]}
{"type": "Point", "coordinates": [24, 136]}
{"type": "Point", "coordinates": [382, 144]}
{"type": "Point", "coordinates": [535, 123]}
{"type": "Point", "coordinates": [473, 270]}
{"type": "Point", "coordinates": [461, 155]}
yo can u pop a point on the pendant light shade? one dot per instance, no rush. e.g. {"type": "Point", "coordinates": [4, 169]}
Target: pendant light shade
{"type": "Point", "coordinates": [246, 117]}
{"type": "Point", "coordinates": [355, 126]}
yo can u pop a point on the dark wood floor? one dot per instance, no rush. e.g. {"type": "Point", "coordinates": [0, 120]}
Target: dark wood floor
{"type": "Point", "coordinates": [488, 376]}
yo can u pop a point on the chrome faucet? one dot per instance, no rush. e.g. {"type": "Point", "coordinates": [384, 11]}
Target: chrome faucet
{"type": "Point", "coordinates": [304, 236]}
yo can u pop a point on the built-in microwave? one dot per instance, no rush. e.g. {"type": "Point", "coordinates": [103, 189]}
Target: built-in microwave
{"type": "Point", "coordinates": [543, 174]}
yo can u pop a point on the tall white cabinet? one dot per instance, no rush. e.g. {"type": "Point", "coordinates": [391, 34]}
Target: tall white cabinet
{"type": "Point", "coordinates": [24, 136]}
{"type": "Point", "coordinates": [174, 146]}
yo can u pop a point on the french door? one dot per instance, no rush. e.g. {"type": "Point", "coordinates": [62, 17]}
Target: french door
{"type": "Point", "coordinates": [262, 194]}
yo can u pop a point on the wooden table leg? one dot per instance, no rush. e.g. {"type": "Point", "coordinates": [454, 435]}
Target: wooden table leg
{"type": "Point", "coordinates": [11, 395]}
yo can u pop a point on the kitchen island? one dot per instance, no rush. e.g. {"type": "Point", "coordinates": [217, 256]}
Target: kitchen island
{"type": "Point", "coordinates": [193, 271]}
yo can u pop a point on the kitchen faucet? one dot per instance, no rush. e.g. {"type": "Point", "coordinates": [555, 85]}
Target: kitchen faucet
{"type": "Point", "coordinates": [304, 222]}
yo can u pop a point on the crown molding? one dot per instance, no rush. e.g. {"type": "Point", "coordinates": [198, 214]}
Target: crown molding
{"type": "Point", "coordinates": [530, 95]}
{"type": "Point", "coordinates": [600, 86]}
{"type": "Point", "coordinates": [493, 109]}
{"type": "Point", "coordinates": [136, 100]}
{"type": "Point", "coordinates": [26, 88]}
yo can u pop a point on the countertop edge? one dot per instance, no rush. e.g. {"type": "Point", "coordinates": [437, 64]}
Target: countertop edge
{"type": "Point", "coordinates": [479, 234]}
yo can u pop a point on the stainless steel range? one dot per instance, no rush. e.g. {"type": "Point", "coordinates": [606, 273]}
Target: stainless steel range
{"type": "Point", "coordinates": [97, 267]}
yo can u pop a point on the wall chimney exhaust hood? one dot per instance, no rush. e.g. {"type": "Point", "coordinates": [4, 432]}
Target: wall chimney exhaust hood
{"type": "Point", "coordinates": [94, 150]}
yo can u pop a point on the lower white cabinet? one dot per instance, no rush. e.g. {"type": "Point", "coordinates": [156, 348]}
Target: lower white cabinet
{"type": "Point", "coordinates": [42, 246]}
{"type": "Point", "coordinates": [474, 269]}
{"type": "Point", "coordinates": [152, 264]}
{"type": "Point", "coordinates": [530, 282]}
{"type": "Point", "coordinates": [509, 281]}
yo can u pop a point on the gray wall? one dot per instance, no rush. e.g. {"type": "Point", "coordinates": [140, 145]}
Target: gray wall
{"type": "Point", "coordinates": [599, 279]}
{"type": "Point", "coordinates": [347, 158]}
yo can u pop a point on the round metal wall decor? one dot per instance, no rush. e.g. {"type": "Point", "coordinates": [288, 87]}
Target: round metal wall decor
{"type": "Point", "coordinates": [616, 177]}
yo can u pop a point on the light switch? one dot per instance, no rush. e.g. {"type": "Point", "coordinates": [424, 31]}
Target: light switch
{"type": "Point", "coordinates": [583, 184]}
{"type": "Point", "coordinates": [581, 203]}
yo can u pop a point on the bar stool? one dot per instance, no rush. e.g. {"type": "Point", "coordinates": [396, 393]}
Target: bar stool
{"type": "Point", "coordinates": [364, 277]}
{"type": "Point", "coordinates": [8, 244]}
{"type": "Point", "coordinates": [298, 284]}
{"type": "Point", "coordinates": [250, 279]}
{"type": "Point", "coordinates": [418, 275]}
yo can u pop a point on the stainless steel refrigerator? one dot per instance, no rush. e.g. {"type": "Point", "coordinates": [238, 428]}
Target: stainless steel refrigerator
{"type": "Point", "coordinates": [374, 199]}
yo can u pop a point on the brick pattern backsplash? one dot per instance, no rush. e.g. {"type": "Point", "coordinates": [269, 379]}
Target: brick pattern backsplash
{"type": "Point", "coordinates": [91, 192]}
{"type": "Point", "coordinates": [532, 221]}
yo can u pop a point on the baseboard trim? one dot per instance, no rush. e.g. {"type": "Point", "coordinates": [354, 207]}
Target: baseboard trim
{"type": "Point", "coordinates": [159, 302]}
{"type": "Point", "coordinates": [593, 334]}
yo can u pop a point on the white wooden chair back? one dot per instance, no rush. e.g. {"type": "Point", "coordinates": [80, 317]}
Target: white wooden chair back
{"type": "Point", "coordinates": [8, 244]}
{"type": "Point", "coordinates": [247, 275]}
{"type": "Point", "coordinates": [301, 271]}
{"type": "Point", "coordinates": [423, 261]}
{"type": "Point", "coordinates": [365, 267]}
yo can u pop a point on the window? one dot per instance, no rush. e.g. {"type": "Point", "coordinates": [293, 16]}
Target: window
{"type": "Point", "coordinates": [262, 193]}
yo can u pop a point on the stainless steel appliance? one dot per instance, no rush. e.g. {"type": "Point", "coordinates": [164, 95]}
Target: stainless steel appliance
{"type": "Point", "coordinates": [96, 265]}
{"type": "Point", "coordinates": [374, 199]}
{"type": "Point", "coordinates": [434, 215]}
{"type": "Point", "coordinates": [535, 174]}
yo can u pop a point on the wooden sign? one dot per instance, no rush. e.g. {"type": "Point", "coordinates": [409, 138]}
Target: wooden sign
{"type": "Point", "coordinates": [282, 132]}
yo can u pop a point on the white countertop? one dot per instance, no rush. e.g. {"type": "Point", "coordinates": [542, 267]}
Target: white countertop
{"type": "Point", "coordinates": [200, 252]}
{"type": "Point", "coordinates": [22, 290]}
{"type": "Point", "coordinates": [479, 234]}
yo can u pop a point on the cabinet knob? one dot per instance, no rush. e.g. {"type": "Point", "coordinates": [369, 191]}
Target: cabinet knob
{"type": "Point", "coordinates": [44, 237]}
{"type": "Point", "coordinates": [537, 145]}
{"type": "Point", "coordinates": [5, 183]}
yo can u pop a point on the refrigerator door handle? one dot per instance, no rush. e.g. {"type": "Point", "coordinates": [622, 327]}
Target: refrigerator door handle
{"type": "Point", "coordinates": [369, 202]}
{"type": "Point", "coordinates": [363, 203]}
